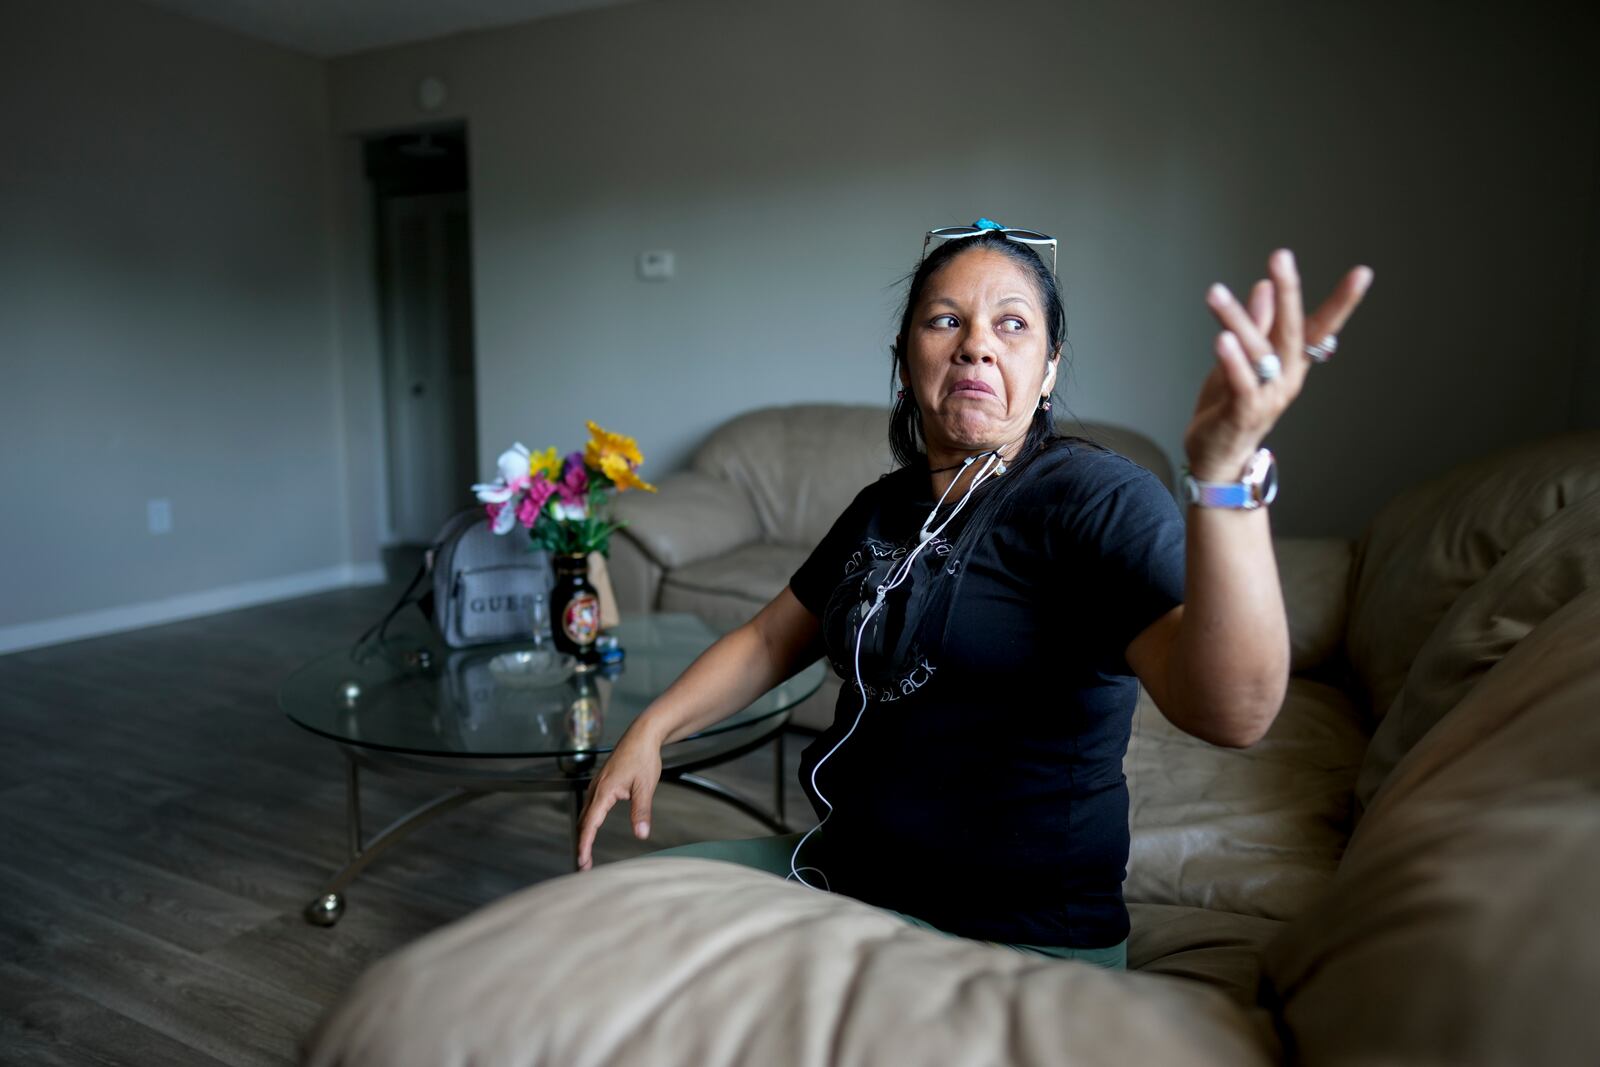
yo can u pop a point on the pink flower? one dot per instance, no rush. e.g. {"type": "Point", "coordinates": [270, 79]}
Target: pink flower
{"type": "Point", "coordinates": [574, 485]}
{"type": "Point", "coordinates": [500, 515]}
{"type": "Point", "coordinates": [539, 490]}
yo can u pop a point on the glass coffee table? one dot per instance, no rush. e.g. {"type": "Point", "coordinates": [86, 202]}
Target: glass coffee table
{"type": "Point", "coordinates": [514, 718]}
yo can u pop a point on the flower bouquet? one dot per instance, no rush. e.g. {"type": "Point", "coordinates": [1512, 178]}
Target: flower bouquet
{"type": "Point", "coordinates": [564, 502]}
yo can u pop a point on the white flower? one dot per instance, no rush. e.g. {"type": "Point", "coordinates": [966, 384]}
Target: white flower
{"type": "Point", "coordinates": [492, 492]}
{"type": "Point", "coordinates": [514, 479]}
{"type": "Point", "coordinates": [513, 463]}
{"type": "Point", "coordinates": [563, 512]}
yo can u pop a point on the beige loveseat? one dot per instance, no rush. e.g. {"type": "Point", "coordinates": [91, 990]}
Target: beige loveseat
{"type": "Point", "coordinates": [725, 535]}
{"type": "Point", "coordinates": [1406, 870]}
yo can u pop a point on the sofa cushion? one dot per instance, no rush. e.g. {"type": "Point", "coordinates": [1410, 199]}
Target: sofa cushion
{"type": "Point", "coordinates": [1546, 569]}
{"type": "Point", "coordinates": [1460, 928]}
{"type": "Point", "coordinates": [655, 962]}
{"type": "Point", "coordinates": [800, 466]}
{"type": "Point", "coordinates": [727, 590]}
{"type": "Point", "coordinates": [1256, 831]}
{"type": "Point", "coordinates": [1431, 543]}
{"type": "Point", "coordinates": [1218, 948]}
{"type": "Point", "coordinates": [1314, 573]}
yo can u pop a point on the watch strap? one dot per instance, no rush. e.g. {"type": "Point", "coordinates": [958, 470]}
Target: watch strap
{"type": "Point", "coordinates": [1256, 488]}
{"type": "Point", "coordinates": [1234, 495]}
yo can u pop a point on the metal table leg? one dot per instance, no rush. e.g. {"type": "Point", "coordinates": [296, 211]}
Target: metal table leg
{"type": "Point", "coordinates": [328, 906]}
{"type": "Point", "coordinates": [352, 804]}
{"type": "Point", "coordinates": [577, 820]}
{"type": "Point", "coordinates": [779, 778]}
{"type": "Point", "coordinates": [728, 796]}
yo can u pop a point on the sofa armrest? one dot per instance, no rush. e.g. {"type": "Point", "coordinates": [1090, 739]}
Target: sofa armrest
{"type": "Point", "coordinates": [693, 517]}
{"type": "Point", "coordinates": [635, 577]}
{"type": "Point", "coordinates": [1315, 575]}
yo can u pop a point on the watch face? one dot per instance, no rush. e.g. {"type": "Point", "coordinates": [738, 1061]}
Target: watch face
{"type": "Point", "coordinates": [1262, 477]}
{"type": "Point", "coordinates": [1269, 487]}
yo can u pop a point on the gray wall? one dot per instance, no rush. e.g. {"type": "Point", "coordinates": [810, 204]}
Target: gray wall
{"type": "Point", "coordinates": [792, 154]}
{"type": "Point", "coordinates": [166, 310]}
{"type": "Point", "coordinates": [185, 286]}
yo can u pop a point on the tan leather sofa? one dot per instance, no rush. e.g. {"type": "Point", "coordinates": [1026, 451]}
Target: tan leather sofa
{"type": "Point", "coordinates": [1406, 870]}
{"type": "Point", "coordinates": [723, 536]}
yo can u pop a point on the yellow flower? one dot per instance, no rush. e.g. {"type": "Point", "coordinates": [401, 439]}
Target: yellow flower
{"type": "Point", "coordinates": [547, 461]}
{"type": "Point", "coordinates": [622, 474]}
{"type": "Point", "coordinates": [603, 443]}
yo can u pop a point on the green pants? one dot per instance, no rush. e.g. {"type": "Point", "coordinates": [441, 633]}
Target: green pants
{"type": "Point", "coordinates": [771, 854]}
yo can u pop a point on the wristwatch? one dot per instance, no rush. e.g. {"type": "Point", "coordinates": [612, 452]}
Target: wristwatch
{"type": "Point", "coordinates": [1256, 488]}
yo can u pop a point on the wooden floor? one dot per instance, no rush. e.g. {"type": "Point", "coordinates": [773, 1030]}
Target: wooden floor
{"type": "Point", "coordinates": [162, 825]}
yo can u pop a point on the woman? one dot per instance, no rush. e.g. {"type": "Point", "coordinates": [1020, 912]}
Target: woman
{"type": "Point", "coordinates": [993, 606]}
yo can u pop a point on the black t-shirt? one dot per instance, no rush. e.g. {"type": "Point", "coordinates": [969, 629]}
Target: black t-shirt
{"type": "Point", "coordinates": [982, 788]}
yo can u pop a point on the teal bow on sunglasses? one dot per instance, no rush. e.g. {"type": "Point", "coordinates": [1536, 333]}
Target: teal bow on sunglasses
{"type": "Point", "coordinates": [1027, 237]}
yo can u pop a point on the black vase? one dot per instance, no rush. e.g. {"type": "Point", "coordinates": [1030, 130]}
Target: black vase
{"type": "Point", "coordinates": [574, 608]}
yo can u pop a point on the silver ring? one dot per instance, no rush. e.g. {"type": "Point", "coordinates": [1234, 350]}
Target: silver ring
{"type": "Point", "coordinates": [1319, 352]}
{"type": "Point", "coordinates": [1269, 367]}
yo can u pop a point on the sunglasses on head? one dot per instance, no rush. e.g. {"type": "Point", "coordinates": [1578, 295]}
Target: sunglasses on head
{"type": "Point", "coordinates": [1027, 237]}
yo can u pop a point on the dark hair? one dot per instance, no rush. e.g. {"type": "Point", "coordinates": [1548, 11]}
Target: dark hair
{"type": "Point", "coordinates": [905, 419]}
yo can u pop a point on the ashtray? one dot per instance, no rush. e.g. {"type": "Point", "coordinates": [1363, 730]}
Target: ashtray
{"type": "Point", "coordinates": [531, 668]}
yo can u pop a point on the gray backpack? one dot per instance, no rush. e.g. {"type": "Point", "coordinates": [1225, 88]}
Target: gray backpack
{"type": "Point", "coordinates": [484, 585]}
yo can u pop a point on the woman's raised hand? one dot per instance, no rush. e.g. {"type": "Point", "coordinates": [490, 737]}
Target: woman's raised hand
{"type": "Point", "coordinates": [632, 774]}
{"type": "Point", "coordinates": [1262, 363]}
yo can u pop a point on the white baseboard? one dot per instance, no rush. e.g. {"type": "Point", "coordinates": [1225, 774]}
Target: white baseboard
{"type": "Point", "coordinates": [187, 606]}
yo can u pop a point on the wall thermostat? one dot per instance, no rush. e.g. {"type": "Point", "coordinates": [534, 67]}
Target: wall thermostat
{"type": "Point", "coordinates": [656, 266]}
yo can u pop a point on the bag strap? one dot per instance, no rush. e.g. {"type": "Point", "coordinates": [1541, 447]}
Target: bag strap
{"type": "Point", "coordinates": [379, 630]}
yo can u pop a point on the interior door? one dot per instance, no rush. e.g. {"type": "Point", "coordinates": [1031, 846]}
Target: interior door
{"type": "Point", "coordinates": [428, 380]}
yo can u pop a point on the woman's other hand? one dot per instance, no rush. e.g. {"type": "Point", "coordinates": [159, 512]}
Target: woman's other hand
{"type": "Point", "coordinates": [1237, 408]}
{"type": "Point", "coordinates": [632, 774]}
{"type": "Point", "coordinates": [741, 665]}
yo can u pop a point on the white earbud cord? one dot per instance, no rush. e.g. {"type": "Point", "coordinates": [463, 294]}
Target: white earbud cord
{"type": "Point", "coordinates": [897, 576]}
